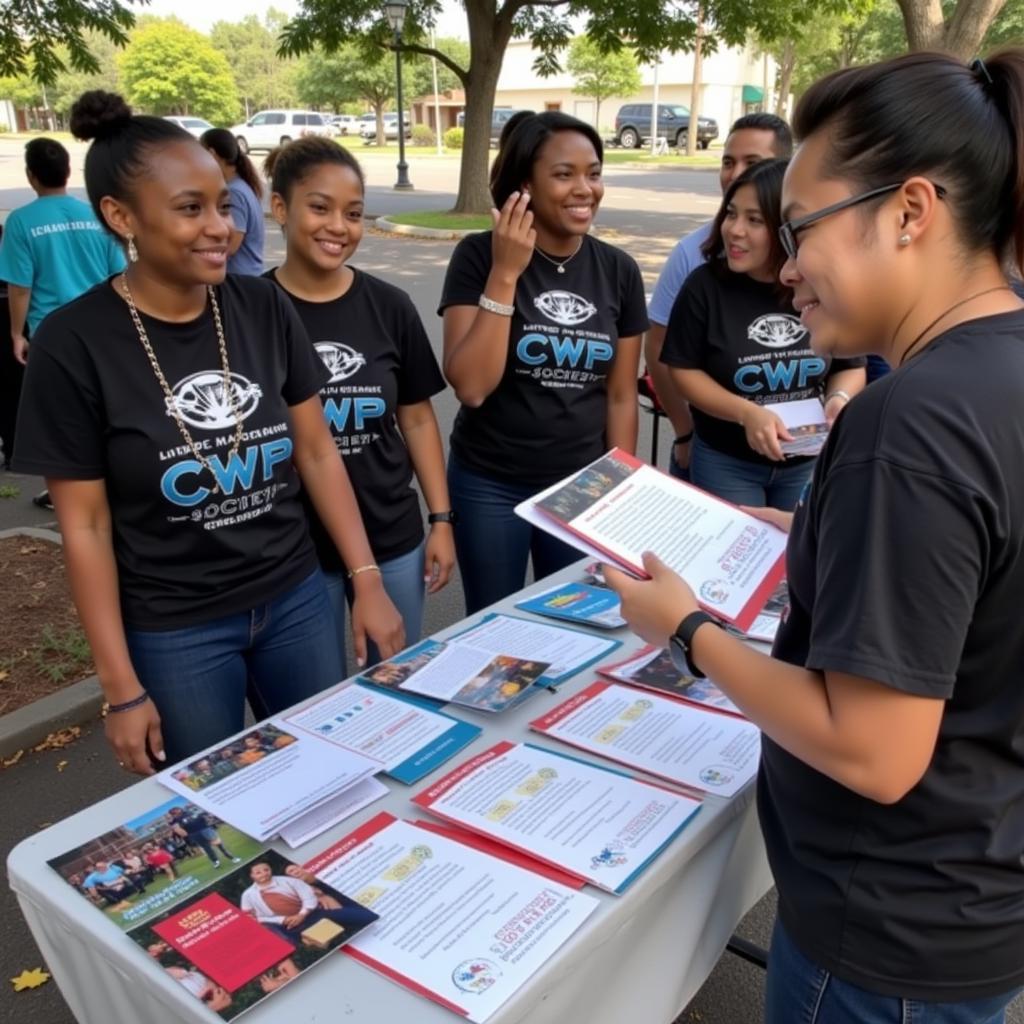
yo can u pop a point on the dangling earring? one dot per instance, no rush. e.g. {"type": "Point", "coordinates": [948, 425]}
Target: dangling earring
{"type": "Point", "coordinates": [133, 252]}
{"type": "Point", "coordinates": [905, 239]}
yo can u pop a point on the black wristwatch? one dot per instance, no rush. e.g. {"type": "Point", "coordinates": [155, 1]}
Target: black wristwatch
{"type": "Point", "coordinates": [443, 517]}
{"type": "Point", "coordinates": [681, 641]}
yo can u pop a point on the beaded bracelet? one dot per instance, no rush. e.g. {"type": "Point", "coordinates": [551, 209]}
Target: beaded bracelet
{"type": "Point", "coordinates": [363, 568]}
{"type": "Point", "coordinates": [113, 709]}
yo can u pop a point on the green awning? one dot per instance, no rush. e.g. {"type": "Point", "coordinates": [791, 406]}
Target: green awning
{"type": "Point", "coordinates": [753, 94]}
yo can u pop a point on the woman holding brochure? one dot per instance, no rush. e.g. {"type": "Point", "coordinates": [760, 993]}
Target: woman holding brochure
{"type": "Point", "coordinates": [736, 350]}
{"type": "Point", "coordinates": [542, 326]}
{"type": "Point", "coordinates": [891, 789]}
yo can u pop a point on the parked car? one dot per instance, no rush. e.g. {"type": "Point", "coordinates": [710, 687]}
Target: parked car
{"type": "Point", "coordinates": [499, 118]}
{"type": "Point", "coordinates": [193, 125]}
{"type": "Point", "coordinates": [347, 124]}
{"type": "Point", "coordinates": [270, 128]}
{"type": "Point", "coordinates": [633, 125]}
{"type": "Point", "coordinates": [368, 129]}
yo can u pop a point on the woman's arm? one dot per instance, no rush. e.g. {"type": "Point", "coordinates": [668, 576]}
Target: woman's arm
{"type": "Point", "coordinates": [850, 383]}
{"type": "Point", "coordinates": [676, 407]}
{"type": "Point", "coordinates": [622, 423]}
{"type": "Point", "coordinates": [84, 517]}
{"type": "Point", "coordinates": [324, 477]}
{"type": "Point", "coordinates": [475, 339]}
{"type": "Point", "coordinates": [423, 439]}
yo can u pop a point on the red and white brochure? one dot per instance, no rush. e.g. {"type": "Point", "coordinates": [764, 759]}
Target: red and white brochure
{"type": "Point", "coordinates": [618, 507]}
{"type": "Point", "coordinates": [458, 925]}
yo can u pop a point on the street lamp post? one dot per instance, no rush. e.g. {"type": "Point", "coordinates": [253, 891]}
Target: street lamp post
{"type": "Point", "coordinates": [395, 11]}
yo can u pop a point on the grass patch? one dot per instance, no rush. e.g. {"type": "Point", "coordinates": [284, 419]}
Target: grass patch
{"type": "Point", "coordinates": [704, 158]}
{"type": "Point", "coordinates": [62, 655]}
{"type": "Point", "coordinates": [8, 491]}
{"type": "Point", "coordinates": [444, 220]}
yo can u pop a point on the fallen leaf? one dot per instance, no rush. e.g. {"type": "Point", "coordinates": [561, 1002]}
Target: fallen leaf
{"type": "Point", "coordinates": [13, 759]}
{"type": "Point", "coordinates": [60, 739]}
{"type": "Point", "coordinates": [3, 675]}
{"type": "Point", "coordinates": [30, 979]}
{"type": "Point", "coordinates": [61, 765]}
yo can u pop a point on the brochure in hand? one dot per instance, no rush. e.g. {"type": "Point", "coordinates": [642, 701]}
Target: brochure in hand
{"type": "Point", "coordinates": [805, 420]}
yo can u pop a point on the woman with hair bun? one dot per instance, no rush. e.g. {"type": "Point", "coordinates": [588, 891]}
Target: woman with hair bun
{"type": "Point", "coordinates": [891, 789]}
{"type": "Point", "coordinates": [245, 249]}
{"type": "Point", "coordinates": [173, 412]}
{"type": "Point", "coordinates": [542, 326]}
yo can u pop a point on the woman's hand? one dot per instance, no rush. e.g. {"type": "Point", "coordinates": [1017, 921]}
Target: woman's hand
{"type": "Point", "coordinates": [775, 516]}
{"type": "Point", "coordinates": [681, 453]}
{"type": "Point", "coordinates": [514, 238]}
{"type": "Point", "coordinates": [764, 430]}
{"type": "Point", "coordinates": [655, 607]}
{"type": "Point", "coordinates": [374, 616]}
{"type": "Point", "coordinates": [439, 557]}
{"type": "Point", "coordinates": [128, 733]}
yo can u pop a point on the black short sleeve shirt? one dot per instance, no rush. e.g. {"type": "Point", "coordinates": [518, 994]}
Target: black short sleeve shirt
{"type": "Point", "coordinates": [906, 567]}
{"type": "Point", "coordinates": [547, 416]}
{"type": "Point", "coordinates": [92, 409]}
{"type": "Point", "coordinates": [372, 341]}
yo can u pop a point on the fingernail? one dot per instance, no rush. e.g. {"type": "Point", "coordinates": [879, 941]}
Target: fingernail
{"type": "Point", "coordinates": [360, 662]}
{"type": "Point", "coordinates": [160, 755]}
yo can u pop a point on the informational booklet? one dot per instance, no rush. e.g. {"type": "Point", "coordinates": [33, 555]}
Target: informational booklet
{"type": "Point", "coordinates": [459, 673]}
{"type": "Point", "coordinates": [652, 668]}
{"type": "Point", "coordinates": [457, 926]}
{"type": "Point", "coordinates": [226, 918]}
{"type": "Point", "coordinates": [766, 625]}
{"type": "Point", "coordinates": [593, 822]}
{"type": "Point", "coordinates": [678, 742]}
{"type": "Point", "coordinates": [578, 602]}
{"type": "Point", "coordinates": [268, 776]}
{"type": "Point", "coordinates": [805, 420]}
{"type": "Point", "coordinates": [617, 508]}
{"type": "Point", "coordinates": [327, 815]}
{"type": "Point", "coordinates": [408, 739]}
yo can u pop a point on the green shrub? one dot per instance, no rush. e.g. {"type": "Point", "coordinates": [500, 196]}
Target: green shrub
{"type": "Point", "coordinates": [423, 135]}
{"type": "Point", "coordinates": [453, 138]}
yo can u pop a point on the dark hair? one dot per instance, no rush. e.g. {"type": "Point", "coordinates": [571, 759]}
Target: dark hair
{"type": "Point", "coordinates": [287, 165]}
{"type": "Point", "coordinates": [225, 145]}
{"type": "Point", "coordinates": [783, 145]}
{"type": "Point", "coordinates": [766, 177]}
{"type": "Point", "coordinates": [521, 144]}
{"type": "Point", "coordinates": [929, 114]}
{"type": "Point", "coordinates": [122, 145]}
{"type": "Point", "coordinates": [510, 126]}
{"type": "Point", "coordinates": [48, 162]}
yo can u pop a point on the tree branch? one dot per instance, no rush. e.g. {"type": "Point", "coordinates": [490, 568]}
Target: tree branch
{"type": "Point", "coordinates": [428, 51]}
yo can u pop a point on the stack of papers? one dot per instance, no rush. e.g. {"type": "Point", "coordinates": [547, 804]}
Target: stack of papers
{"type": "Point", "coordinates": [805, 420]}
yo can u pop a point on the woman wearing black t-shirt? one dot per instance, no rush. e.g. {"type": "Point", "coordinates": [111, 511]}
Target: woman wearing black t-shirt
{"type": "Point", "coordinates": [736, 350]}
{"type": "Point", "coordinates": [891, 790]}
{"type": "Point", "coordinates": [383, 374]}
{"type": "Point", "coordinates": [542, 326]}
{"type": "Point", "coordinates": [173, 411]}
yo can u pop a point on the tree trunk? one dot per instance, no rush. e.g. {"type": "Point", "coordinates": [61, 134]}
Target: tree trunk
{"type": "Point", "coordinates": [597, 113]}
{"type": "Point", "coordinates": [924, 23]}
{"type": "Point", "coordinates": [489, 34]}
{"type": "Point", "coordinates": [967, 27]}
{"type": "Point", "coordinates": [378, 109]}
{"type": "Point", "coordinates": [786, 68]}
{"type": "Point", "coordinates": [698, 68]}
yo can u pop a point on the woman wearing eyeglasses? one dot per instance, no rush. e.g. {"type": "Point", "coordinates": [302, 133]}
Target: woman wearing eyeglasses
{"type": "Point", "coordinates": [891, 791]}
{"type": "Point", "coordinates": [737, 350]}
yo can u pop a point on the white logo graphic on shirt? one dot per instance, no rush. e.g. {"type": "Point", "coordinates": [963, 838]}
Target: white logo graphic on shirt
{"type": "Point", "coordinates": [341, 360]}
{"type": "Point", "coordinates": [776, 330]}
{"type": "Point", "coordinates": [201, 399]}
{"type": "Point", "coordinates": [565, 308]}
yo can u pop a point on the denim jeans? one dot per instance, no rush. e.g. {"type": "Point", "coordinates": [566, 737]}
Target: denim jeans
{"type": "Point", "coordinates": [748, 483]}
{"type": "Point", "coordinates": [877, 367]}
{"type": "Point", "coordinates": [403, 583]}
{"type": "Point", "coordinates": [674, 469]}
{"type": "Point", "coordinates": [275, 655]}
{"type": "Point", "coordinates": [492, 543]}
{"type": "Point", "coordinates": [798, 991]}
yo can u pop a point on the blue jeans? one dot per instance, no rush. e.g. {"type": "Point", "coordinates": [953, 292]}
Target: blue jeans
{"type": "Point", "coordinates": [492, 543]}
{"type": "Point", "coordinates": [748, 483]}
{"type": "Point", "coordinates": [403, 583]}
{"type": "Point", "coordinates": [798, 991]}
{"type": "Point", "coordinates": [275, 655]}
{"type": "Point", "coordinates": [674, 469]}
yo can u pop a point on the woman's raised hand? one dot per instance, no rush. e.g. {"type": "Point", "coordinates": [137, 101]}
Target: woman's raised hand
{"type": "Point", "coordinates": [514, 237]}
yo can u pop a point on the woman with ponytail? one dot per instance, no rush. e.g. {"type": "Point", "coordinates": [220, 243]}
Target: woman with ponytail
{"type": "Point", "coordinates": [245, 249]}
{"type": "Point", "coordinates": [891, 790]}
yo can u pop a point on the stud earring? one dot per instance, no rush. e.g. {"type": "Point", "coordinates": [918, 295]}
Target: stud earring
{"type": "Point", "coordinates": [905, 239]}
{"type": "Point", "coordinates": [133, 252]}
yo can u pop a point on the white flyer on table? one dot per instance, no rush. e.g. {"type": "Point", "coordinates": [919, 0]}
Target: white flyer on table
{"type": "Point", "coordinates": [618, 508]}
{"type": "Point", "coordinates": [267, 776]}
{"type": "Point", "coordinates": [593, 822]}
{"type": "Point", "coordinates": [458, 926]}
{"type": "Point", "coordinates": [700, 749]}
{"type": "Point", "coordinates": [328, 814]}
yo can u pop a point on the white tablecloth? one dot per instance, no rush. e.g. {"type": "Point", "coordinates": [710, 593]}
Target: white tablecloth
{"type": "Point", "coordinates": [639, 959]}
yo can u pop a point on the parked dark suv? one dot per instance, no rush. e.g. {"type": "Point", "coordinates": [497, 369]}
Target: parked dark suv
{"type": "Point", "coordinates": [499, 117]}
{"type": "Point", "coordinates": [633, 125]}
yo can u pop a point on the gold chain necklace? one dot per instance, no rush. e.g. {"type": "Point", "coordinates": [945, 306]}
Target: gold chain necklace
{"type": "Point", "coordinates": [170, 400]}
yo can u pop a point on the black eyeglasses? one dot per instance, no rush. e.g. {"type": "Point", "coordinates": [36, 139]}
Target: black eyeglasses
{"type": "Point", "coordinates": [788, 231]}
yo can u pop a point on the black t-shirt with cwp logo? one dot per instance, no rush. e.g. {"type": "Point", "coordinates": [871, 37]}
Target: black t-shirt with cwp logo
{"type": "Point", "coordinates": [906, 567]}
{"type": "Point", "coordinates": [373, 343]}
{"type": "Point", "coordinates": [547, 416]}
{"type": "Point", "coordinates": [742, 335]}
{"type": "Point", "coordinates": [93, 409]}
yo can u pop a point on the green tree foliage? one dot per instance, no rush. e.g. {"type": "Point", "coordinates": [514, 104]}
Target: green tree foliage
{"type": "Point", "coordinates": [417, 74]}
{"type": "Point", "coordinates": [263, 78]}
{"type": "Point", "coordinates": [601, 75]}
{"type": "Point", "coordinates": [70, 84]}
{"type": "Point", "coordinates": [168, 68]}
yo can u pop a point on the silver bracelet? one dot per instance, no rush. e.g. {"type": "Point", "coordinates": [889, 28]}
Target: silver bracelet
{"type": "Point", "coordinates": [496, 307]}
{"type": "Point", "coordinates": [837, 394]}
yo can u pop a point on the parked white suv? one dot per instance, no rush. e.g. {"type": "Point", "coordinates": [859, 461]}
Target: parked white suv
{"type": "Point", "coordinates": [270, 128]}
{"type": "Point", "coordinates": [193, 125]}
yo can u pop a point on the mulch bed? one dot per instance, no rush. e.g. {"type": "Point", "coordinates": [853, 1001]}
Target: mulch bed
{"type": "Point", "coordinates": [42, 646]}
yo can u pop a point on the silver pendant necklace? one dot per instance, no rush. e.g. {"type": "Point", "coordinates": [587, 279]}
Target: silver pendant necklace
{"type": "Point", "coordinates": [559, 265]}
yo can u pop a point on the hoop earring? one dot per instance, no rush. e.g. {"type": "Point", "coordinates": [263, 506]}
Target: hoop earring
{"type": "Point", "coordinates": [904, 239]}
{"type": "Point", "coordinates": [133, 252]}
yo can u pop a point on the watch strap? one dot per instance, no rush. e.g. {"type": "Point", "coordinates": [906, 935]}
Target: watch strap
{"type": "Point", "coordinates": [683, 637]}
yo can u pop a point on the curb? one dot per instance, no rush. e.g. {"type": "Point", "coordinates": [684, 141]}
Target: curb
{"type": "Point", "coordinates": [73, 705]}
{"type": "Point", "coordinates": [412, 231]}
